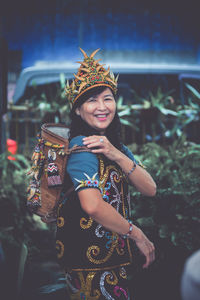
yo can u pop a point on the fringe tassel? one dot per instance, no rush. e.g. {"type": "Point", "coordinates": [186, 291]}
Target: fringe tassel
{"type": "Point", "coordinates": [33, 199]}
{"type": "Point", "coordinates": [54, 178]}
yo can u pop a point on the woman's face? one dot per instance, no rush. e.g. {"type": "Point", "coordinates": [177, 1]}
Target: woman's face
{"type": "Point", "coordinates": [99, 110]}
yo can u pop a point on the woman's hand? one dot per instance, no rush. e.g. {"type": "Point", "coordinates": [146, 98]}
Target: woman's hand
{"type": "Point", "coordinates": [140, 178]}
{"type": "Point", "coordinates": [103, 146]}
{"type": "Point", "coordinates": [145, 246]}
{"type": "Point", "coordinates": [105, 214]}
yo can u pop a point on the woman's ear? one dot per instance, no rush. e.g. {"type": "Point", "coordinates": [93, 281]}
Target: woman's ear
{"type": "Point", "coordinates": [77, 111]}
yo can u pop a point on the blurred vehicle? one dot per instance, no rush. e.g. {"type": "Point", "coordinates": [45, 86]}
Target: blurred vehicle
{"type": "Point", "coordinates": [140, 78]}
{"type": "Point", "coordinates": [42, 84]}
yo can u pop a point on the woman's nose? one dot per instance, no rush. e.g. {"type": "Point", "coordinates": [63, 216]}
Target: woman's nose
{"type": "Point", "coordinates": [101, 105]}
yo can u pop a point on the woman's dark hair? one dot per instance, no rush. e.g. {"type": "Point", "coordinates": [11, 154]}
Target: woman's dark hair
{"type": "Point", "coordinates": [80, 127]}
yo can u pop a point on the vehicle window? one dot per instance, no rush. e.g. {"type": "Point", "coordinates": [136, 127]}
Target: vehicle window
{"type": "Point", "coordinates": [142, 84]}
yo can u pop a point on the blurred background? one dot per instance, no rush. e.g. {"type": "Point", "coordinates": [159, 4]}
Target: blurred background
{"type": "Point", "coordinates": [154, 46]}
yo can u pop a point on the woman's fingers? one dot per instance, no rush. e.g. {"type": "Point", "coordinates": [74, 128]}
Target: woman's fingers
{"type": "Point", "coordinates": [147, 263]}
{"type": "Point", "coordinates": [96, 144]}
{"type": "Point", "coordinates": [152, 252]}
{"type": "Point", "coordinates": [148, 250]}
{"type": "Point", "coordinates": [94, 138]}
{"type": "Point", "coordinates": [95, 141]}
{"type": "Point", "coordinates": [100, 144]}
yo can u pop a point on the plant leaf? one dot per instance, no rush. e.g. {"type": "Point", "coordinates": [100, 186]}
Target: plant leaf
{"type": "Point", "coordinates": [193, 90]}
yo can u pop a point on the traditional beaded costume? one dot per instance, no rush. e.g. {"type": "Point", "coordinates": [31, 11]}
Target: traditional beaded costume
{"type": "Point", "coordinates": [94, 258]}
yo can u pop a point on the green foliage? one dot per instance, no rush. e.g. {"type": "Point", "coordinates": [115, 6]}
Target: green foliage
{"type": "Point", "coordinates": [13, 183]}
{"type": "Point", "coordinates": [193, 90]}
{"type": "Point", "coordinates": [159, 117]}
{"type": "Point", "coordinates": [12, 179]}
{"type": "Point", "coordinates": [174, 213]}
{"type": "Point", "coordinates": [126, 112]}
{"type": "Point", "coordinates": [16, 223]}
{"type": "Point", "coordinates": [51, 100]}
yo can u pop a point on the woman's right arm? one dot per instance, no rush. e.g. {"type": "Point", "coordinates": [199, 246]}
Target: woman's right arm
{"type": "Point", "coordinates": [93, 204]}
{"type": "Point", "coordinates": [106, 215]}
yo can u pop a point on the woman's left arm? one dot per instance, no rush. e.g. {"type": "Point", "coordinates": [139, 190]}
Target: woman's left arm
{"type": "Point", "coordinates": [139, 177]}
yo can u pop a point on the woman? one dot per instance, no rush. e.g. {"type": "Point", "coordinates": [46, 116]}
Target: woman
{"type": "Point", "coordinates": [95, 235]}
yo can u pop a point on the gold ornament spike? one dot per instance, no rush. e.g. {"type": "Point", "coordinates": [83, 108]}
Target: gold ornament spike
{"type": "Point", "coordinates": [79, 62]}
{"type": "Point", "coordinates": [84, 54]}
{"type": "Point", "coordinates": [82, 86]}
{"type": "Point", "coordinates": [103, 67]}
{"type": "Point", "coordinates": [77, 77]}
{"type": "Point", "coordinates": [67, 85]}
{"type": "Point", "coordinates": [96, 61]}
{"type": "Point", "coordinates": [85, 75]}
{"type": "Point", "coordinates": [73, 85]}
{"type": "Point", "coordinates": [84, 64]}
{"type": "Point", "coordinates": [94, 52]}
{"type": "Point", "coordinates": [98, 68]}
{"type": "Point", "coordinates": [116, 79]}
{"type": "Point", "coordinates": [67, 90]}
{"type": "Point", "coordinates": [114, 83]}
{"type": "Point", "coordinates": [112, 75]}
{"type": "Point", "coordinates": [107, 72]}
{"type": "Point", "coordinates": [84, 69]}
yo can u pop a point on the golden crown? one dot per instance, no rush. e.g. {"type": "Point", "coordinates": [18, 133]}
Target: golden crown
{"type": "Point", "coordinates": [90, 74]}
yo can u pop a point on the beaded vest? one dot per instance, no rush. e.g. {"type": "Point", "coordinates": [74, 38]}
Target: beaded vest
{"type": "Point", "coordinates": [82, 243]}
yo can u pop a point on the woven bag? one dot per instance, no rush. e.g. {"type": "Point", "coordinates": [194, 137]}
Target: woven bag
{"type": "Point", "coordinates": [48, 170]}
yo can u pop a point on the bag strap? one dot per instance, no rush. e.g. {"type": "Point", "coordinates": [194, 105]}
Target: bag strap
{"type": "Point", "coordinates": [77, 149]}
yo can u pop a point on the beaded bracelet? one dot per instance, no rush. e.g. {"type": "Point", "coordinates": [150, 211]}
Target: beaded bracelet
{"type": "Point", "coordinates": [125, 236]}
{"type": "Point", "coordinates": [133, 168]}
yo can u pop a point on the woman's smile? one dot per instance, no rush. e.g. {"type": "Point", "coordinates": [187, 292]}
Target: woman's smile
{"type": "Point", "coordinates": [101, 117]}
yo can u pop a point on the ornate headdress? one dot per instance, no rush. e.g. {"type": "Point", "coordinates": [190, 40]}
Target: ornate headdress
{"type": "Point", "coordinates": [90, 74]}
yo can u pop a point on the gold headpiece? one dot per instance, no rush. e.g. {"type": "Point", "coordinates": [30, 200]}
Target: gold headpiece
{"type": "Point", "coordinates": [90, 74]}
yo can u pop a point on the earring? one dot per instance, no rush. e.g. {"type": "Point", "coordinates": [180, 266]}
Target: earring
{"type": "Point", "coordinates": [77, 112]}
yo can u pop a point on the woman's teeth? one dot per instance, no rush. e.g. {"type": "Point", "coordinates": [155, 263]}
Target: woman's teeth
{"type": "Point", "coordinates": [101, 116]}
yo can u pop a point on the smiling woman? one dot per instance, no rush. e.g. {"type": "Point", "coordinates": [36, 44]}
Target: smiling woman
{"type": "Point", "coordinates": [95, 233]}
{"type": "Point", "coordinates": [99, 110]}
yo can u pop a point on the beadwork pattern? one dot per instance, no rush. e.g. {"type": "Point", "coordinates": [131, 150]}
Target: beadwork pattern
{"type": "Point", "coordinates": [85, 224]}
{"type": "Point", "coordinates": [60, 221]}
{"type": "Point", "coordinates": [60, 248]}
{"type": "Point", "coordinates": [89, 75]}
{"type": "Point", "coordinates": [100, 247]}
{"type": "Point", "coordinates": [110, 285]}
{"type": "Point", "coordinates": [90, 182]}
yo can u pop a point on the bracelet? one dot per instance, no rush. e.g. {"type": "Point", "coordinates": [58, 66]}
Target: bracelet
{"type": "Point", "coordinates": [125, 236]}
{"type": "Point", "coordinates": [133, 168]}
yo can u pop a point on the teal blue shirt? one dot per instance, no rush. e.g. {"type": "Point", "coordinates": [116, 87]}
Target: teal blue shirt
{"type": "Point", "coordinates": [83, 167]}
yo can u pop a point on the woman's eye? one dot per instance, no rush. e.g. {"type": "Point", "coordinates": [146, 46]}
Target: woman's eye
{"type": "Point", "coordinates": [91, 100]}
{"type": "Point", "coordinates": [108, 99]}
